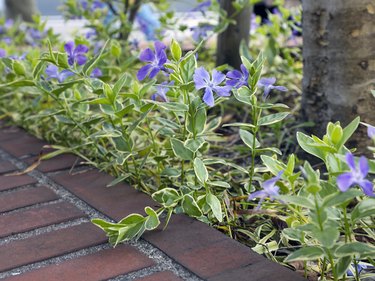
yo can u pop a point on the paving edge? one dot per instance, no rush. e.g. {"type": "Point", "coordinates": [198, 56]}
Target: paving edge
{"type": "Point", "coordinates": [165, 258]}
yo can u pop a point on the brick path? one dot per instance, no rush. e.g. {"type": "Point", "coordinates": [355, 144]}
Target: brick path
{"type": "Point", "coordinates": [46, 232]}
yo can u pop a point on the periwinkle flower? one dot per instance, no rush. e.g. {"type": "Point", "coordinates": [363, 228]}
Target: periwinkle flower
{"type": "Point", "coordinates": [52, 72]}
{"type": "Point", "coordinates": [237, 78]}
{"type": "Point", "coordinates": [269, 84]}
{"type": "Point", "coordinates": [90, 33]}
{"type": "Point", "coordinates": [203, 80]}
{"type": "Point", "coordinates": [202, 7]}
{"type": "Point", "coordinates": [156, 61]}
{"type": "Point", "coordinates": [96, 73]}
{"type": "Point", "coordinates": [161, 92]}
{"type": "Point", "coordinates": [76, 54]}
{"type": "Point", "coordinates": [201, 31]}
{"type": "Point", "coordinates": [270, 190]}
{"type": "Point", "coordinates": [3, 53]}
{"type": "Point", "coordinates": [371, 131]}
{"type": "Point", "coordinates": [356, 176]}
{"type": "Point", "coordinates": [7, 40]}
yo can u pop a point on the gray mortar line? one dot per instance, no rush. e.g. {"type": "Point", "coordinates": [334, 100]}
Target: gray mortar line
{"type": "Point", "coordinates": [163, 261]}
{"type": "Point", "coordinates": [55, 260]}
{"type": "Point", "coordinates": [30, 207]}
{"type": "Point", "coordinates": [41, 230]}
{"type": "Point", "coordinates": [18, 188]}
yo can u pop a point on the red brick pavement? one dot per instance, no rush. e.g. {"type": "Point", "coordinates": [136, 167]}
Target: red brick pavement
{"type": "Point", "coordinates": [38, 225]}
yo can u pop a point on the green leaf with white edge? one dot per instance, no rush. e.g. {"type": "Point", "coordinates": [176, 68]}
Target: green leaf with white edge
{"type": "Point", "coordinates": [306, 142]}
{"type": "Point", "coordinates": [180, 150]}
{"type": "Point", "coordinates": [89, 66]}
{"type": "Point", "coordinates": [274, 165]}
{"type": "Point", "coordinates": [348, 131]}
{"type": "Point", "coordinates": [297, 200]}
{"type": "Point", "coordinates": [363, 209]}
{"type": "Point", "coordinates": [176, 50]}
{"type": "Point", "coordinates": [342, 265]}
{"type": "Point", "coordinates": [18, 83]}
{"type": "Point", "coordinates": [190, 206]}
{"type": "Point", "coordinates": [215, 206]}
{"type": "Point", "coordinates": [194, 144]}
{"type": "Point", "coordinates": [125, 79]}
{"type": "Point", "coordinates": [245, 125]}
{"type": "Point", "coordinates": [328, 236]}
{"type": "Point", "coordinates": [168, 197]}
{"type": "Point", "coordinates": [171, 106]}
{"type": "Point", "coordinates": [306, 253]}
{"type": "Point", "coordinates": [200, 170]}
{"type": "Point", "coordinates": [248, 138]}
{"type": "Point", "coordinates": [104, 224]}
{"type": "Point", "coordinates": [272, 118]}
{"type": "Point", "coordinates": [243, 94]}
{"type": "Point", "coordinates": [219, 184]}
{"type": "Point", "coordinates": [340, 198]}
{"type": "Point", "coordinates": [358, 249]}
{"type": "Point", "coordinates": [152, 221]}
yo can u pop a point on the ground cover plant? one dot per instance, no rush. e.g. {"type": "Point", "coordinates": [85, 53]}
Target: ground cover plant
{"type": "Point", "coordinates": [213, 143]}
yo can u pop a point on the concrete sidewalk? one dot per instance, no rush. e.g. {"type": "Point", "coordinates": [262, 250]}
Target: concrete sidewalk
{"type": "Point", "coordinates": [46, 232]}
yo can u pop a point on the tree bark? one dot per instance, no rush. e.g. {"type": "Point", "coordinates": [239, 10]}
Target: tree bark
{"type": "Point", "coordinates": [339, 64]}
{"type": "Point", "coordinates": [23, 9]}
{"type": "Point", "coordinates": [228, 42]}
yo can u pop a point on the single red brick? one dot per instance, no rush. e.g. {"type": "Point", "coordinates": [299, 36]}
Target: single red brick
{"type": "Point", "coordinates": [217, 258]}
{"type": "Point", "coordinates": [161, 276]}
{"type": "Point", "coordinates": [6, 167]}
{"type": "Point", "coordinates": [262, 271]}
{"type": "Point", "coordinates": [9, 182]}
{"type": "Point", "coordinates": [60, 162]}
{"type": "Point", "coordinates": [56, 243]}
{"type": "Point", "coordinates": [11, 133]}
{"type": "Point", "coordinates": [116, 202]}
{"type": "Point", "coordinates": [26, 197]}
{"type": "Point", "coordinates": [24, 145]}
{"type": "Point", "coordinates": [38, 217]}
{"type": "Point", "coordinates": [98, 266]}
{"type": "Point", "coordinates": [183, 233]}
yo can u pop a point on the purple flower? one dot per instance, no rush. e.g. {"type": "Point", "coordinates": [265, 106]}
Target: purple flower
{"type": "Point", "coordinates": [76, 54]}
{"type": "Point", "coordinates": [96, 4]}
{"type": "Point", "coordinates": [155, 59]}
{"type": "Point", "coordinates": [96, 73]}
{"type": "Point", "coordinates": [203, 80]}
{"type": "Point", "coordinates": [90, 33]}
{"type": "Point", "coordinates": [270, 189]}
{"type": "Point", "coordinates": [161, 92]}
{"type": "Point", "coordinates": [53, 72]}
{"type": "Point", "coordinates": [237, 78]}
{"type": "Point", "coordinates": [356, 176]}
{"type": "Point", "coordinates": [200, 32]}
{"type": "Point", "coordinates": [371, 131]}
{"type": "Point", "coordinates": [268, 85]}
{"type": "Point", "coordinates": [202, 7]}
{"type": "Point", "coordinates": [3, 53]}
{"type": "Point", "coordinates": [7, 40]}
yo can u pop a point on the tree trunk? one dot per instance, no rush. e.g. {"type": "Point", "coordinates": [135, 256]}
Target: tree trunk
{"type": "Point", "coordinates": [339, 64]}
{"type": "Point", "coordinates": [228, 42]}
{"type": "Point", "coordinates": [23, 9]}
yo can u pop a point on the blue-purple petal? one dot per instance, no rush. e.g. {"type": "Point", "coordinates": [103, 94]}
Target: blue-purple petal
{"type": "Point", "coordinates": [344, 181]}
{"type": "Point", "coordinates": [147, 55]}
{"type": "Point", "coordinates": [154, 72]}
{"type": "Point", "coordinates": [208, 97]}
{"type": "Point", "coordinates": [350, 161]}
{"type": "Point", "coordinates": [81, 49]}
{"type": "Point", "coordinates": [142, 73]}
{"type": "Point", "coordinates": [69, 47]}
{"type": "Point", "coordinates": [217, 77]}
{"type": "Point", "coordinates": [363, 166]}
{"type": "Point", "coordinates": [81, 59]}
{"type": "Point", "coordinates": [367, 187]}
